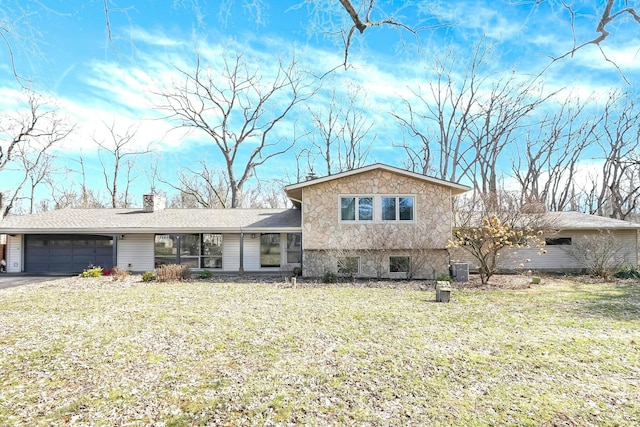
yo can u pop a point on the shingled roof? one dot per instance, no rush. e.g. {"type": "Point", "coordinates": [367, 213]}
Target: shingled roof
{"type": "Point", "coordinates": [583, 221]}
{"type": "Point", "coordinates": [558, 220]}
{"type": "Point", "coordinates": [114, 221]}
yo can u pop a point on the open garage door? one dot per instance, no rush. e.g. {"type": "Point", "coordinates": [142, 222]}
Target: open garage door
{"type": "Point", "coordinates": [67, 253]}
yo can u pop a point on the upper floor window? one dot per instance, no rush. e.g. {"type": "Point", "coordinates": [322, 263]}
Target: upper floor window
{"type": "Point", "coordinates": [354, 208]}
{"type": "Point", "coordinates": [397, 208]}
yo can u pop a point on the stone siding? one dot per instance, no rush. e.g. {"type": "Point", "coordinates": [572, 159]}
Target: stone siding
{"type": "Point", "coordinates": [427, 264]}
{"type": "Point", "coordinates": [324, 232]}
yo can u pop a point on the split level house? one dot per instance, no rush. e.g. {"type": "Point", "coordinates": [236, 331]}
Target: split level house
{"type": "Point", "coordinates": [377, 221]}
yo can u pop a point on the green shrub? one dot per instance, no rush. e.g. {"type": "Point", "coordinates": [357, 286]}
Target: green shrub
{"type": "Point", "coordinates": [205, 274]}
{"type": "Point", "coordinates": [172, 272]}
{"type": "Point", "coordinates": [628, 273]}
{"type": "Point", "coordinates": [92, 272]}
{"type": "Point", "coordinates": [329, 277]}
{"type": "Point", "coordinates": [148, 276]}
{"type": "Point", "coordinates": [444, 278]}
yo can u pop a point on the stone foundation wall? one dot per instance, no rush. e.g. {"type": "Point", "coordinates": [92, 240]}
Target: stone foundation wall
{"type": "Point", "coordinates": [427, 264]}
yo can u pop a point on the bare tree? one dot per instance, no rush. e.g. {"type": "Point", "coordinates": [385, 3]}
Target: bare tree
{"type": "Point", "coordinates": [39, 172]}
{"type": "Point", "coordinates": [440, 115]}
{"type": "Point", "coordinates": [117, 158]}
{"type": "Point", "coordinates": [73, 193]}
{"type": "Point", "coordinates": [485, 241]}
{"type": "Point", "coordinates": [200, 186]}
{"type": "Point", "coordinates": [611, 12]}
{"type": "Point", "coordinates": [238, 110]}
{"type": "Point", "coordinates": [619, 194]}
{"type": "Point", "coordinates": [68, 197]}
{"type": "Point", "coordinates": [340, 135]}
{"type": "Point", "coordinates": [25, 140]}
{"type": "Point", "coordinates": [547, 165]}
{"type": "Point", "coordinates": [463, 124]}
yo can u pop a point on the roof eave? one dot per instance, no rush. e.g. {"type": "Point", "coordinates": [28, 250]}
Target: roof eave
{"type": "Point", "coordinates": [456, 189]}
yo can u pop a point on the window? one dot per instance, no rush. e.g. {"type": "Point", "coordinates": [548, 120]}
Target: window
{"type": "Point", "coordinates": [212, 251]}
{"type": "Point", "coordinates": [399, 264]}
{"type": "Point", "coordinates": [354, 208]}
{"type": "Point", "coordinates": [349, 266]}
{"type": "Point", "coordinates": [191, 250]}
{"type": "Point", "coordinates": [270, 250]}
{"type": "Point", "coordinates": [166, 249]}
{"type": "Point", "coordinates": [294, 248]}
{"type": "Point", "coordinates": [388, 208]}
{"type": "Point", "coordinates": [557, 241]}
{"type": "Point", "coordinates": [397, 208]}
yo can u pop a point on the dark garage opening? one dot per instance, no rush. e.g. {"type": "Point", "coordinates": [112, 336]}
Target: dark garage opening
{"type": "Point", "coordinates": [67, 253]}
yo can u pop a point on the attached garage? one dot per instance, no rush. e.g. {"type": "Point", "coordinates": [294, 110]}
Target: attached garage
{"type": "Point", "coordinates": [53, 253]}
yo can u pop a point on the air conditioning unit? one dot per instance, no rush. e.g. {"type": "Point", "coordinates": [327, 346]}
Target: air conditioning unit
{"type": "Point", "coordinates": [460, 272]}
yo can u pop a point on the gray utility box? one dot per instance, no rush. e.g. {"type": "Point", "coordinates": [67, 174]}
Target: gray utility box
{"type": "Point", "coordinates": [460, 272]}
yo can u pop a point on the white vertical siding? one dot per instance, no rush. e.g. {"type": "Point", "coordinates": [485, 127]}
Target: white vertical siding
{"type": "Point", "coordinates": [136, 252]}
{"type": "Point", "coordinates": [231, 252]}
{"type": "Point", "coordinates": [14, 253]}
{"type": "Point", "coordinates": [251, 252]}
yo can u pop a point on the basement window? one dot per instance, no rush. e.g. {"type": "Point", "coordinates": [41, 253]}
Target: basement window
{"type": "Point", "coordinates": [399, 264]}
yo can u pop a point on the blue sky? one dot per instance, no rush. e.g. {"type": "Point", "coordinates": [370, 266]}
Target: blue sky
{"type": "Point", "coordinates": [62, 49]}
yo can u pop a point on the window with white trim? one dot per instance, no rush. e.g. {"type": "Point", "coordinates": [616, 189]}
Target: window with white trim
{"type": "Point", "coordinates": [398, 208]}
{"type": "Point", "coordinates": [356, 208]}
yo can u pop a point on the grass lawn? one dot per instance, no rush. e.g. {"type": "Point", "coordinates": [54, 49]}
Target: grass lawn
{"type": "Point", "coordinates": [96, 352]}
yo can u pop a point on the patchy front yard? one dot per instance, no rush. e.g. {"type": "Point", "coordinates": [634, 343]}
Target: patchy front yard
{"type": "Point", "coordinates": [97, 352]}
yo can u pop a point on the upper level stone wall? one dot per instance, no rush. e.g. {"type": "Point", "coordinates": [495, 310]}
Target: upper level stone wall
{"type": "Point", "coordinates": [322, 228]}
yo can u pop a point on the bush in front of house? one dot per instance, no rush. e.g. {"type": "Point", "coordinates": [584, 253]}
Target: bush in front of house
{"type": "Point", "coordinates": [148, 276]}
{"type": "Point", "coordinates": [172, 272]}
{"type": "Point", "coordinates": [119, 273]}
{"type": "Point", "coordinates": [628, 273]}
{"type": "Point", "coordinates": [329, 277]}
{"type": "Point", "coordinates": [205, 274]}
{"type": "Point", "coordinates": [92, 272]}
{"type": "Point", "coordinates": [444, 278]}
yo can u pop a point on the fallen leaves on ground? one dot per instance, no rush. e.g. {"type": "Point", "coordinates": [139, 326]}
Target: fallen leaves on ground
{"type": "Point", "coordinates": [102, 352]}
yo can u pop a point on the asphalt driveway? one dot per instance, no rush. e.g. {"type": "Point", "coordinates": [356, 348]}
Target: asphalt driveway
{"type": "Point", "coordinates": [10, 280]}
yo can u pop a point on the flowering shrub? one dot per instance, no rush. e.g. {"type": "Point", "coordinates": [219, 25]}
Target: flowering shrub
{"type": "Point", "coordinates": [484, 243]}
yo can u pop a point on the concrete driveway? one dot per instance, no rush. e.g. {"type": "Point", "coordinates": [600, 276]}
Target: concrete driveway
{"type": "Point", "coordinates": [10, 280]}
